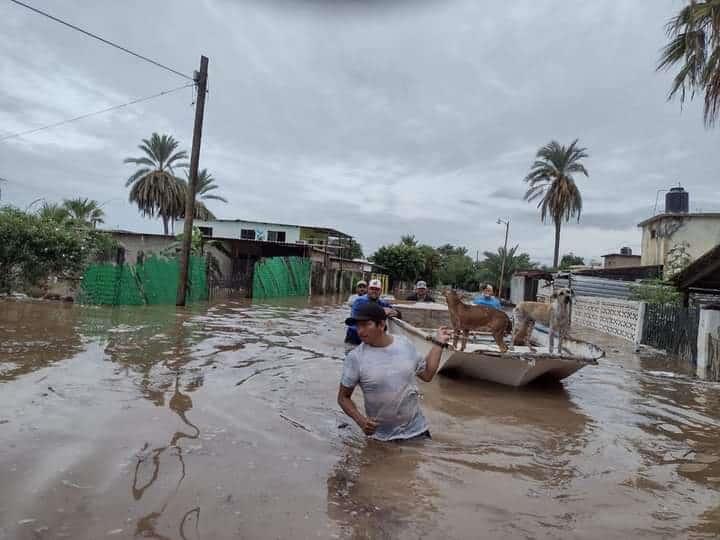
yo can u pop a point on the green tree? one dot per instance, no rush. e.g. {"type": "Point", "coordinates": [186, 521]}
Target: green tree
{"type": "Point", "coordinates": [403, 262]}
{"type": "Point", "coordinates": [154, 187]}
{"type": "Point", "coordinates": [203, 191]}
{"type": "Point", "coordinates": [54, 212]}
{"type": "Point", "coordinates": [33, 248]}
{"type": "Point", "coordinates": [552, 184]}
{"type": "Point", "coordinates": [431, 264]}
{"type": "Point", "coordinates": [570, 259]}
{"type": "Point", "coordinates": [458, 270]}
{"type": "Point", "coordinates": [654, 291]}
{"type": "Point", "coordinates": [408, 240]}
{"type": "Point", "coordinates": [694, 47]}
{"type": "Point", "coordinates": [490, 267]}
{"type": "Point", "coordinates": [84, 211]}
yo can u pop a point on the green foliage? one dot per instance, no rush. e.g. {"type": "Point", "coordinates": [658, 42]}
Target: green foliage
{"type": "Point", "coordinates": [458, 270]}
{"type": "Point", "coordinates": [403, 262]}
{"type": "Point", "coordinates": [694, 45]}
{"type": "Point", "coordinates": [490, 268]}
{"type": "Point", "coordinates": [84, 211]}
{"type": "Point", "coordinates": [570, 259]}
{"type": "Point", "coordinates": [33, 247]}
{"type": "Point", "coordinates": [551, 183]}
{"type": "Point", "coordinates": [654, 291]}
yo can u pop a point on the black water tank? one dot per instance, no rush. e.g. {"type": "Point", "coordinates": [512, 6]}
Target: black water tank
{"type": "Point", "coordinates": [677, 201]}
{"type": "Point", "coordinates": [625, 251]}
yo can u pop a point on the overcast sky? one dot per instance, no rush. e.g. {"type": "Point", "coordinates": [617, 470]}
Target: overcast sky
{"type": "Point", "coordinates": [372, 117]}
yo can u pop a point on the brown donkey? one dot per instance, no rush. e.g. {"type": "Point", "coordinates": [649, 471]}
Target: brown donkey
{"type": "Point", "coordinates": [466, 317]}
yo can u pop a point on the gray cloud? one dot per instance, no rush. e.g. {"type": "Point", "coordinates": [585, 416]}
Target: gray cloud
{"type": "Point", "coordinates": [379, 118]}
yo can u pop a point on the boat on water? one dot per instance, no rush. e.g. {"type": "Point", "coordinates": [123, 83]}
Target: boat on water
{"type": "Point", "coordinates": [482, 358]}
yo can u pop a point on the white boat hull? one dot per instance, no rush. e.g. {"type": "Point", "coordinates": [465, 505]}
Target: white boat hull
{"type": "Point", "coordinates": [483, 360]}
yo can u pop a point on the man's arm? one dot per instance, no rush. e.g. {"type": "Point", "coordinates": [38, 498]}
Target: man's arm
{"type": "Point", "coordinates": [432, 360]}
{"type": "Point", "coordinates": [368, 425]}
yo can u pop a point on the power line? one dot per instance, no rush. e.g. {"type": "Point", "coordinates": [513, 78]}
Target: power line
{"type": "Point", "coordinates": [107, 42]}
{"type": "Point", "coordinates": [81, 117]}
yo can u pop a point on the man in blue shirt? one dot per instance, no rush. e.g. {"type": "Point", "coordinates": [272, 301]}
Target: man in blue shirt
{"type": "Point", "coordinates": [487, 298]}
{"type": "Point", "coordinates": [373, 295]}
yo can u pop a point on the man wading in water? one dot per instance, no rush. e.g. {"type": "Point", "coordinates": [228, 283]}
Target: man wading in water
{"type": "Point", "coordinates": [385, 367]}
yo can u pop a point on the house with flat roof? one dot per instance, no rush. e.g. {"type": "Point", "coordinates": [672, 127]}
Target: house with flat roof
{"type": "Point", "coordinates": [238, 229]}
{"type": "Point", "coordinates": [677, 237]}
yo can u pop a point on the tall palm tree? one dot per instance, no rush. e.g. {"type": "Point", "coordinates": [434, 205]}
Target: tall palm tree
{"type": "Point", "coordinates": [203, 190]}
{"type": "Point", "coordinates": [85, 211]}
{"type": "Point", "coordinates": [694, 45]}
{"type": "Point", "coordinates": [551, 183]}
{"type": "Point", "coordinates": [54, 212]}
{"type": "Point", "coordinates": [155, 188]}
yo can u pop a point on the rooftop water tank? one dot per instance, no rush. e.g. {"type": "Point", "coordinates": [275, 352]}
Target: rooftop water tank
{"type": "Point", "coordinates": [677, 201]}
{"type": "Point", "coordinates": [625, 251]}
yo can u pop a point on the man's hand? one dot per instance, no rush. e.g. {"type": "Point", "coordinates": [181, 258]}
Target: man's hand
{"type": "Point", "coordinates": [368, 425]}
{"type": "Point", "coordinates": [443, 334]}
{"type": "Point", "coordinates": [390, 312]}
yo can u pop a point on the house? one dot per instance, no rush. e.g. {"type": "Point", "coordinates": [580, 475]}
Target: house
{"type": "Point", "coordinates": [238, 229]}
{"type": "Point", "coordinates": [677, 237]}
{"type": "Point", "coordinates": [622, 259]}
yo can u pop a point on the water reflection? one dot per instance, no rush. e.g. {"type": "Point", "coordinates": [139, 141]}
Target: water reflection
{"type": "Point", "coordinates": [34, 336]}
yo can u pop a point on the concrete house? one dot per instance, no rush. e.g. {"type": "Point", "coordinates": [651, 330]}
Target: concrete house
{"type": "Point", "coordinates": [678, 235]}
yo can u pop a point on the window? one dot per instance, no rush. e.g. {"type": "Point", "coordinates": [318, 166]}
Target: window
{"type": "Point", "coordinates": [247, 234]}
{"type": "Point", "coordinates": [653, 233]}
{"type": "Point", "coordinates": [206, 231]}
{"type": "Point", "coordinates": [276, 236]}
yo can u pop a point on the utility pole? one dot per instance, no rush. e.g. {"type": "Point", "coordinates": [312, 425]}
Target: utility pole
{"type": "Point", "coordinates": [502, 267]}
{"type": "Point", "coordinates": [2, 181]}
{"type": "Point", "coordinates": [201, 82]}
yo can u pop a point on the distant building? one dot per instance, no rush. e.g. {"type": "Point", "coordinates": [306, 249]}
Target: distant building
{"type": "Point", "coordinates": [622, 259]}
{"type": "Point", "coordinates": [677, 236]}
{"type": "Point", "coordinates": [238, 229]}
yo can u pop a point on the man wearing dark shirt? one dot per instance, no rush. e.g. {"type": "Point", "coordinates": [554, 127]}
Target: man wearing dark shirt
{"type": "Point", "coordinates": [421, 293]}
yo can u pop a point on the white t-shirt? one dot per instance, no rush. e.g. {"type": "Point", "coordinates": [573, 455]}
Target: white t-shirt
{"type": "Point", "coordinates": [386, 376]}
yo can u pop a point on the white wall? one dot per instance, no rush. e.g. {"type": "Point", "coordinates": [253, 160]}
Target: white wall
{"type": "Point", "coordinates": [231, 229]}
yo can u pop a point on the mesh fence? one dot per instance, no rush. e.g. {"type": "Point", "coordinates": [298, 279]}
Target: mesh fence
{"type": "Point", "coordinates": [282, 276]}
{"type": "Point", "coordinates": [154, 281]}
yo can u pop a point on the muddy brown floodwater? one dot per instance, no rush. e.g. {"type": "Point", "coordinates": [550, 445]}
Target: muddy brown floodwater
{"type": "Point", "coordinates": [220, 422]}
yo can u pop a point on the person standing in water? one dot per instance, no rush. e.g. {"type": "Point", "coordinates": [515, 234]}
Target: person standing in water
{"type": "Point", "coordinates": [372, 297]}
{"type": "Point", "coordinates": [385, 367]}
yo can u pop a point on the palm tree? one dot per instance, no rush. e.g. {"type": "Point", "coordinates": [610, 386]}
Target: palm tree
{"type": "Point", "coordinates": [490, 269]}
{"type": "Point", "coordinates": [694, 45]}
{"type": "Point", "coordinates": [203, 188]}
{"type": "Point", "coordinates": [155, 188]}
{"type": "Point", "coordinates": [553, 186]}
{"type": "Point", "coordinates": [85, 211]}
{"type": "Point", "coordinates": [54, 212]}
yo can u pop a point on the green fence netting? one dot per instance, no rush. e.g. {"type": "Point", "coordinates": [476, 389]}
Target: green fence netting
{"type": "Point", "coordinates": [154, 281]}
{"type": "Point", "coordinates": [282, 276]}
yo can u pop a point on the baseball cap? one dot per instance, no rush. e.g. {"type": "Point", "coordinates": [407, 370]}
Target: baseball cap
{"type": "Point", "coordinates": [367, 312]}
{"type": "Point", "coordinates": [361, 282]}
{"type": "Point", "coordinates": [421, 285]}
{"type": "Point", "coordinates": [375, 283]}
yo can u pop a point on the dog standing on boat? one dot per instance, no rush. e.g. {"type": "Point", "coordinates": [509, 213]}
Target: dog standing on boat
{"type": "Point", "coordinates": [465, 317]}
{"type": "Point", "coordinates": [555, 315]}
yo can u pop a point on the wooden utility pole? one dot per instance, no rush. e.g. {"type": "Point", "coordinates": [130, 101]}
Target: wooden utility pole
{"type": "Point", "coordinates": [502, 267]}
{"type": "Point", "coordinates": [201, 81]}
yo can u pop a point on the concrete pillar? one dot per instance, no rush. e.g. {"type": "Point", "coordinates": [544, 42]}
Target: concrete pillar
{"type": "Point", "coordinates": [709, 324]}
{"type": "Point", "coordinates": [640, 325]}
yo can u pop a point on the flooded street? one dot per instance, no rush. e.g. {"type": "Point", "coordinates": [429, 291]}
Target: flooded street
{"type": "Point", "coordinates": [221, 422]}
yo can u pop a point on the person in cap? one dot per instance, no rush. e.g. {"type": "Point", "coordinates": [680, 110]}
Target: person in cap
{"type": "Point", "coordinates": [487, 298]}
{"type": "Point", "coordinates": [373, 296]}
{"type": "Point", "coordinates": [360, 290]}
{"type": "Point", "coordinates": [385, 367]}
{"type": "Point", "coordinates": [421, 293]}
